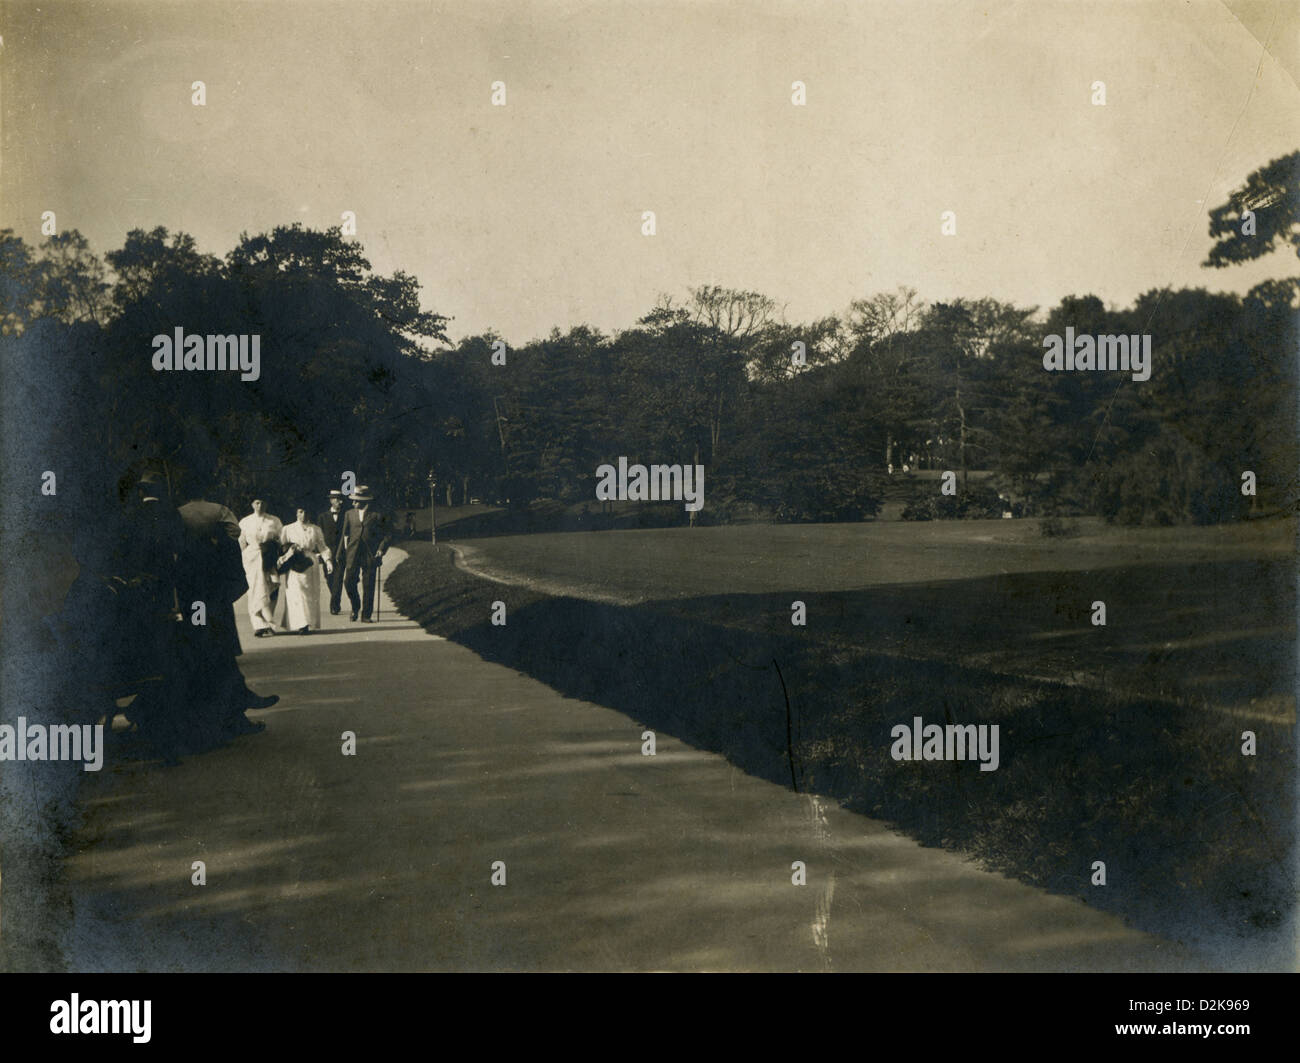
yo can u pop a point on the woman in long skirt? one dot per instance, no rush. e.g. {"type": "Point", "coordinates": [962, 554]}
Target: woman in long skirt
{"type": "Point", "coordinates": [255, 530]}
{"type": "Point", "coordinates": [302, 589]}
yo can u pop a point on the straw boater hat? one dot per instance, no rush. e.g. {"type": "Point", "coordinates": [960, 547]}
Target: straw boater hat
{"type": "Point", "coordinates": [362, 494]}
{"type": "Point", "coordinates": [337, 494]}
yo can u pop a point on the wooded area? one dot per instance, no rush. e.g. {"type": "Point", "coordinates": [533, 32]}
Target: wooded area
{"type": "Point", "coordinates": [794, 421]}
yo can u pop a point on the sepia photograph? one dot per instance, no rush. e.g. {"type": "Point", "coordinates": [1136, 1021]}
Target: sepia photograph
{"type": "Point", "coordinates": [716, 486]}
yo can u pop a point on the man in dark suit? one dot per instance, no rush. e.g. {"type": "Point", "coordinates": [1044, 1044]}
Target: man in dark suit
{"type": "Point", "coordinates": [331, 526]}
{"type": "Point", "coordinates": [366, 535]}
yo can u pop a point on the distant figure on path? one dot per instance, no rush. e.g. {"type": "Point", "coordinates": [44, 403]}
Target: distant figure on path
{"type": "Point", "coordinates": [255, 531]}
{"type": "Point", "coordinates": [366, 536]}
{"type": "Point", "coordinates": [306, 553]}
{"type": "Point", "coordinates": [331, 526]}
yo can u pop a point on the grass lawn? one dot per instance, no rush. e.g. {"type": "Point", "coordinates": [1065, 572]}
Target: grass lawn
{"type": "Point", "coordinates": [1203, 615]}
{"type": "Point", "coordinates": [642, 565]}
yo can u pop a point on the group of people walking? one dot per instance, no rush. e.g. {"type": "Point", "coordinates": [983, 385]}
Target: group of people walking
{"type": "Point", "coordinates": [151, 616]}
{"type": "Point", "coordinates": [283, 562]}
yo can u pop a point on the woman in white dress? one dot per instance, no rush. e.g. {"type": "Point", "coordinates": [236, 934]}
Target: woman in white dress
{"type": "Point", "coordinates": [302, 589]}
{"type": "Point", "coordinates": [258, 528]}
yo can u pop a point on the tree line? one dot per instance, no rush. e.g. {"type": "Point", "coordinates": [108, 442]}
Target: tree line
{"type": "Point", "coordinates": [793, 421]}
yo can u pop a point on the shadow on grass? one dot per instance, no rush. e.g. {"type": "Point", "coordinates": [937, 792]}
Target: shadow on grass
{"type": "Point", "coordinates": [1215, 634]}
{"type": "Point", "coordinates": [1196, 837]}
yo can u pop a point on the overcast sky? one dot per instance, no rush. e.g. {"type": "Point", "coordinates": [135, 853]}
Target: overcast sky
{"type": "Point", "coordinates": [528, 216]}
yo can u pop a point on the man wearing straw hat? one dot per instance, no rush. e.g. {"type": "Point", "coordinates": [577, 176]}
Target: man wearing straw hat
{"type": "Point", "coordinates": [366, 536]}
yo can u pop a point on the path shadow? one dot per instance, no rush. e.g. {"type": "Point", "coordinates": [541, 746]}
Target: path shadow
{"type": "Point", "coordinates": [1124, 752]}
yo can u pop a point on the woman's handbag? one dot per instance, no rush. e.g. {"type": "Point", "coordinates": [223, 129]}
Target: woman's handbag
{"type": "Point", "coordinates": [295, 560]}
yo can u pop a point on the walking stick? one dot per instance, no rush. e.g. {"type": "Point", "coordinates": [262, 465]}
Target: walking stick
{"type": "Point", "coordinates": [379, 590]}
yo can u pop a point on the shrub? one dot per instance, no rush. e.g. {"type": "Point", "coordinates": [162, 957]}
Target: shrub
{"type": "Point", "coordinates": [971, 502]}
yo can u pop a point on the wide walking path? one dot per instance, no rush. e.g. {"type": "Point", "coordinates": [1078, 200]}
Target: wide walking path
{"type": "Point", "coordinates": [612, 860]}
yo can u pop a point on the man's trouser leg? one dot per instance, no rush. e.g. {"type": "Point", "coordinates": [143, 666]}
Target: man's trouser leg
{"type": "Point", "coordinates": [368, 588]}
{"type": "Point", "coordinates": [336, 582]}
{"type": "Point", "coordinates": [350, 585]}
{"type": "Point", "coordinates": [223, 688]}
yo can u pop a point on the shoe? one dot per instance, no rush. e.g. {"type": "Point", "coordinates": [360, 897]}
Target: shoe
{"type": "Point", "coordinates": [302, 631]}
{"type": "Point", "coordinates": [366, 620]}
{"type": "Point", "coordinates": [262, 632]}
{"type": "Point", "coordinates": [334, 612]}
{"type": "Point", "coordinates": [354, 616]}
{"type": "Point", "coordinates": [254, 702]}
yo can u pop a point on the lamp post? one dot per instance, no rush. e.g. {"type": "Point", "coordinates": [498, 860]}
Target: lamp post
{"type": "Point", "coordinates": [433, 524]}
